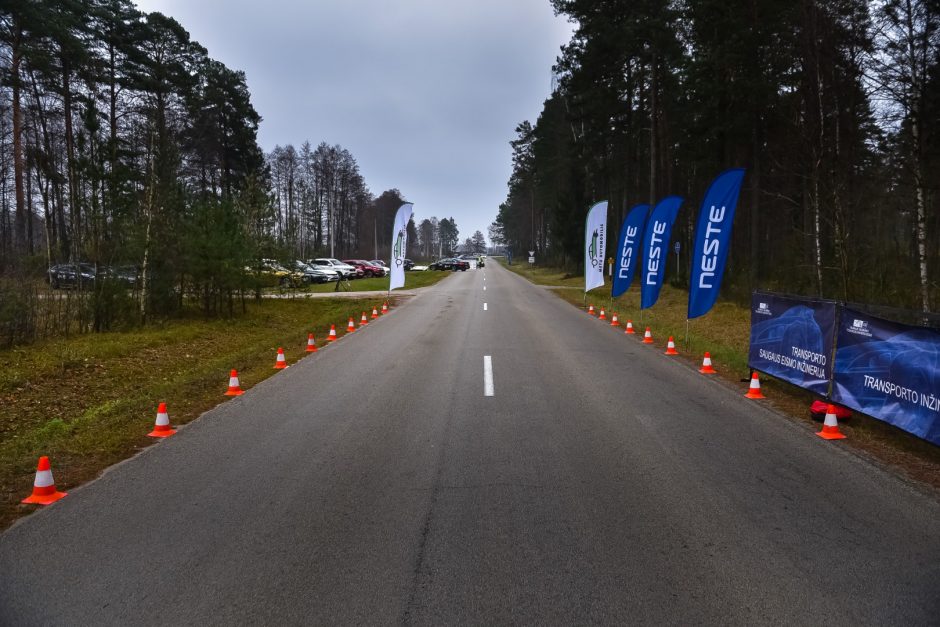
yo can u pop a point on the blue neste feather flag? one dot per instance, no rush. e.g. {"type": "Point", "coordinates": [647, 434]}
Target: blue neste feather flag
{"type": "Point", "coordinates": [712, 240]}
{"type": "Point", "coordinates": [628, 250]}
{"type": "Point", "coordinates": [656, 249]}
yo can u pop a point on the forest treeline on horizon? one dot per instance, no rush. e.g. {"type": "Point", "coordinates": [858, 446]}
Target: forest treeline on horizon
{"type": "Point", "coordinates": [832, 107]}
{"type": "Point", "coordinates": [123, 144]}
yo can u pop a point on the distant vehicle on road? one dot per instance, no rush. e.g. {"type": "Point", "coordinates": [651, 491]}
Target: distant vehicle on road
{"type": "Point", "coordinates": [449, 263]}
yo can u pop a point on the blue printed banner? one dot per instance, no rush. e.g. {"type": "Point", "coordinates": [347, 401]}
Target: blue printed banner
{"type": "Point", "coordinates": [792, 339]}
{"type": "Point", "coordinates": [712, 239]}
{"type": "Point", "coordinates": [890, 371]}
{"type": "Point", "coordinates": [656, 249]}
{"type": "Point", "coordinates": [629, 249]}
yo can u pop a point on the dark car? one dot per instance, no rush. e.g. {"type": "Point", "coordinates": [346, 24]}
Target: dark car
{"type": "Point", "coordinates": [78, 275]}
{"type": "Point", "coordinates": [441, 264]}
{"type": "Point", "coordinates": [408, 264]}
{"type": "Point", "coordinates": [460, 264]}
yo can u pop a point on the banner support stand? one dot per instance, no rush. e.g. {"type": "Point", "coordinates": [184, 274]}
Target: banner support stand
{"type": "Point", "coordinates": [688, 323]}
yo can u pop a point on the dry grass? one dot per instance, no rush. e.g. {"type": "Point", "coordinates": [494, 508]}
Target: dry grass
{"type": "Point", "coordinates": [88, 401]}
{"type": "Point", "coordinates": [725, 333]}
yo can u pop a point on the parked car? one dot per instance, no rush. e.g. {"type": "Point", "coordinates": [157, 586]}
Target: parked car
{"type": "Point", "coordinates": [272, 273]}
{"type": "Point", "coordinates": [380, 263]}
{"type": "Point", "coordinates": [77, 275]}
{"type": "Point", "coordinates": [316, 274]}
{"type": "Point", "coordinates": [368, 268]}
{"type": "Point", "coordinates": [460, 264]}
{"type": "Point", "coordinates": [408, 264]}
{"type": "Point", "coordinates": [127, 276]}
{"type": "Point", "coordinates": [345, 270]}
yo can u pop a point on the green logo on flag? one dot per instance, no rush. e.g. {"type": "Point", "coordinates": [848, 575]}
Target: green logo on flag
{"type": "Point", "coordinates": [592, 249]}
{"type": "Point", "coordinates": [399, 247]}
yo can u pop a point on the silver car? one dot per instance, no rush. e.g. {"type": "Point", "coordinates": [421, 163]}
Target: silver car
{"type": "Point", "coordinates": [316, 274]}
{"type": "Point", "coordinates": [345, 270]}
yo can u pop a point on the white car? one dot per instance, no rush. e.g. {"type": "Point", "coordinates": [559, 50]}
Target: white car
{"type": "Point", "coordinates": [345, 270]}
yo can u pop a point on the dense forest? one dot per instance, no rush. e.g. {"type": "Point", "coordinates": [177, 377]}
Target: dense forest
{"type": "Point", "coordinates": [126, 147]}
{"type": "Point", "coordinates": [832, 107]}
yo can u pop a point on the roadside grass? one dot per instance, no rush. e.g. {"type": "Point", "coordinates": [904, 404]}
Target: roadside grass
{"type": "Point", "coordinates": [725, 333]}
{"type": "Point", "coordinates": [88, 401]}
{"type": "Point", "coordinates": [413, 280]}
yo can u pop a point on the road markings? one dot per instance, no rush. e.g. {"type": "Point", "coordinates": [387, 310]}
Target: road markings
{"type": "Point", "coordinates": [484, 288]}
{"type": "Point", "coordinates": [487, 376]}
{"type": "Point", "coordinates": [484, 306]}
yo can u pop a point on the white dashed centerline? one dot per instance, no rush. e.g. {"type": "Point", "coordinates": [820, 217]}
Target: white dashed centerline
{"type": "Point", "coordinates": [484, 306]}
{"type": "Point", "coordinates": [487, 376]}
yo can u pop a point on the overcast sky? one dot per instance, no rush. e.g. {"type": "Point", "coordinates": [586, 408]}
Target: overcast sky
{"type": "Point", "coordinates": [425, 94]}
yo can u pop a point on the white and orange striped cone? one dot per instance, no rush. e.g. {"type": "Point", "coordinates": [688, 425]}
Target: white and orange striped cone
{"type": "Point", "coordinates": [707, 364]}
{"type": "Point", "coordinates": [234, 388]}
{"type": "Point", "coordinates": [375, 313]}
{"type": "Point", "coordinates": [590, 310]}
{"type": "Point", "coordinates": [830, 430]}
{"type": "Point", "coordinates": [629, 330]}
{"type": "Point", "coordinates": [311, 343]}
{"type": "Point", "coordinates": [671, 347]}
{"type": "Point", "coordinates": [384, 308]}
{"type": "Point", "coordinates": [162, 428]}
{"type": "Point", "coordinates": [364, 320]}
{"type": "Point", "coordinates": [44, 491]}
{"type": "Point", "coordinates": [754, 390]}
{"type": "Point", "coordinates": [614, 322]}
{"type": "Point", "coordinates": [647, 336]}
{"type": "Point", "coordinates": [603, 315]}
{"type": "Point", "coordinates": [281, 362]}
{"type": "Point", "coordinates": [332, 336]}
{"type": "Point", "coordinates": [351, 326]}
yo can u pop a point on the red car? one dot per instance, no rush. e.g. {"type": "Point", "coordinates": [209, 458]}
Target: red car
{"type": "Point", "coordinates": [365, 268]}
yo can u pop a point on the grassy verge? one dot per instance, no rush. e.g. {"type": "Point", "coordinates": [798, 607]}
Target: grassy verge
{"type": "Point", "coordinates": [725, 333]}
{"type": "Point", "coordinates": [412, 280]}
{"type": "Point", "coordinates": [89, 401]}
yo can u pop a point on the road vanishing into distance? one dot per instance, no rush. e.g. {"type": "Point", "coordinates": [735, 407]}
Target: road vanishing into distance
{"type": "Point", "coordinates": [484, 454]}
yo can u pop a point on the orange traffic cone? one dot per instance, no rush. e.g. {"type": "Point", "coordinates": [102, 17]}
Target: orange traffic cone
{"type": "Point", "coordinates": [234, 389]}
{"type": "Point", "coordinates": [603, 315]}
{"type": "Point", "coordinates": [311, 343]}
{"type": "Point", "coordinates": [351, 326]}
{"type": "Point", "coordinates": [590, 310]}
{"type": "Point", "coordinates": [629, 330]}
{"type": "Point", "coordinates": [614, 322]}
{"type": "Point", "coordinates": [281, 362]}
{"type": "Point", "coordinates": [44, 491]}
{"type": "Point", "coordinates": [830, 430]}
{"type": "Point", "coordinates": [162, 428]}
{"type": "Point", "coordinates": [707, 364]}
{"type": "Point", "coordinates": [671, 347]}
{"type": "Point", "coordinates": [375, 313]}
{"type": "Point", "coordinates": [332, 336]}
{"type": "Point", "coordinates": [647, 337]}
{"type": "Point", "coordinates": [754, 390]}
{"type": "Point", "coordinates": [384, 308]}
{"type": "Point", "coordinates": [364, 320]}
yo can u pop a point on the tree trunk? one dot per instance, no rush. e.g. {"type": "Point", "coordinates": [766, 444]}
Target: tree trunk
{"type": "Point", "coordinates": [19, 220]}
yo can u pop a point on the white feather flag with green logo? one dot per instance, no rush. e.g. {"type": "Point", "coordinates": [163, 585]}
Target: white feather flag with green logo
{"type": "Point", "coordinates": [595, 238]}
{"type": "Point", "coordinates": [399, 247]}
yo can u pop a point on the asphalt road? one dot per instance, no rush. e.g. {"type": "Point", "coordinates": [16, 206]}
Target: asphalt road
{"type": "Point", "coordinates": [375, 482]}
